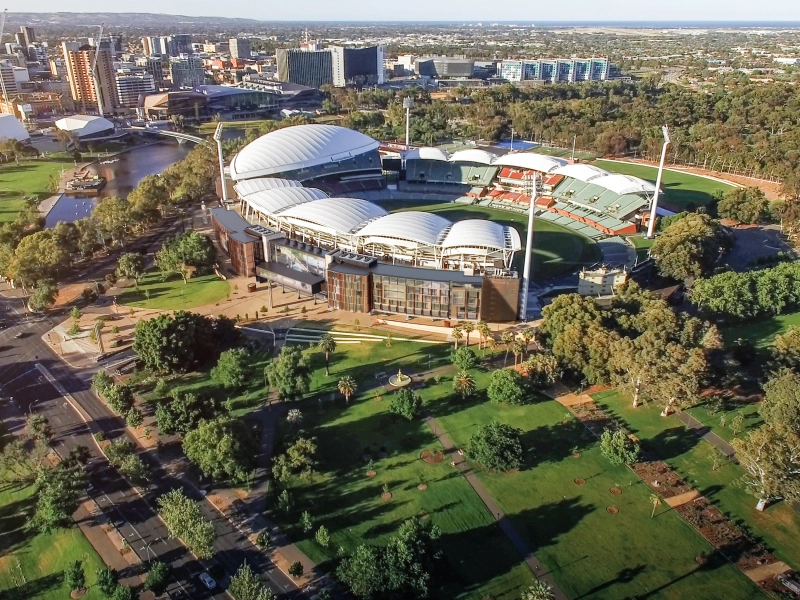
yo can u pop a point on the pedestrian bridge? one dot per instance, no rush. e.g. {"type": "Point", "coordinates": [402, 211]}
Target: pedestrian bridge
{"type": "Point", "coordinates": [181, 137]}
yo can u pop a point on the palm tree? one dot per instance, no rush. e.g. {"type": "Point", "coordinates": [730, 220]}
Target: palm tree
{"type": "Point", "coordinates": [538, 591]}
{"type": "Point", "coordinates": [295, 417]}
{"type": "Point", "coordinates": [485, 331]}
{"type": "Point", "coordinates": [457, 334]}
{"type": "Point", "coordinates": [507, 337]}
{"type": "Point", "coordinates": [347, 387]}
{"type": "Point", "coordinates": [468, 328]}
{"type": "Point", "coordinates": [464, 384]}
{"type": "Point", "coordinates": [528, 335]}
{"type": "Point", "coordinates": [655, 500]}
{"type": "Point", "coordinates": [327, 344]}
{"type": "Point", "coordinates": [518, 348]}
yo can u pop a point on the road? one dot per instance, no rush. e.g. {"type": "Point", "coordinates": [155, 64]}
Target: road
{"type": "Point", "coordinates": [33, 379]}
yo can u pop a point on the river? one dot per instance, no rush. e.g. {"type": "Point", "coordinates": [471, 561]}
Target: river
{"type": "Point", "coordinates": [121, 177]}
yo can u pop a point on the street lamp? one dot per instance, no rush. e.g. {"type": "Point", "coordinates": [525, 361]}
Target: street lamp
{"type": "Point", "coordinates": [654, 206]}
{"type": "Point", "coordinates": [218, 139]}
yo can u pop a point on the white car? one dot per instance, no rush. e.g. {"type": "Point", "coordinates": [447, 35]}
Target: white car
{"type": "Point", "coordinates": [208, 581]}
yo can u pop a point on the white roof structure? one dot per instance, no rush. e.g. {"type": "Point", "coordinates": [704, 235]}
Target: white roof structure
{"type": "Point", "coordinates": [530, 161]}
{"type": "Point", "coordinates": [274, 202]}
{"type": "Point", "coordinates": [262, 184]}
{"type": "Point", "coordinates": [403, 227]}
{"type": "Point", "coordinates": [297, 147]}
{"type": "Point", "coordinates": [474, 155]}
{"type": "Point", "coordinates": [11, 128]}
{"type": "Point", "coordinates": [624, 184]}
{"type": "Point", "coordinates": [478, 233]}
{"type": "Point", "coordinates": [427, 153]}
{"type": "Point", "coordinates": [85, 125]}
{"type": "Point", "coordinates": [335, 216]}
{"type": "Point", "coordinates": [581, 172]}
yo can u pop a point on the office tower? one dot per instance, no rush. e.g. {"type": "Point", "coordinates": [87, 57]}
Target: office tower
{"type": "Point", "coordinates": [7, 74]}
{"type": "Point", "coordinates": [154, 66]}
{"type": "Point", "coordinates": [58, 68]}
{"type": "Point", "coordinates": [336, 65]}
{"type": "Point", "coordinates": [131, 85]}
{"type": "Point", "coordinates": [181, 44]}
{"type": "Point", "coordinates": [187, 71]}
{"type": "Point", "coordinates": [239, 48]}
{"type": "Point", "coordinates": [27, 35]}
{"type": "Point", "coordinates": [79, 61]}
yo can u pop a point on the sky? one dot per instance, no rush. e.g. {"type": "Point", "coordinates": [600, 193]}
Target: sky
{"type": "Point", "coordinates": [520, 11]}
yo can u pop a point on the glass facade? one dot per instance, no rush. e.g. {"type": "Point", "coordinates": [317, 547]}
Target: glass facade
{"type": "Point", "coordinates": [297, 260]}
{"type": "Point", "coordinates": [426, 298]}
{"type": "Point", "coordinates": [348, 292]}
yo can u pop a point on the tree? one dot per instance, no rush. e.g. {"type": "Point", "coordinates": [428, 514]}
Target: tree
{"type": "Point", "coordinates": [74, 576]}
{"type": "Point", "coordinates": [690, 247]}
{"type": "Point", "coordinates": [131, 265]}
{"type": "Point", "coordinates": [505, 387]}
{"type": "Point", "coordinates": [122, 454]}
{"type": "Point", "coordinates": [484, 331]}
{"type": "Point", "coordinates": [406, 403]}
{"type": "Point", "coordinates": [298, 460]}
{"type": "Point", "coordinates": [157, 575]}
{"type": "Point", "coordinates": [328, 345]}
{"type": "Point", "coordinates": [184, 519]}
{"type": "Point", "coordinates": [305, 522]}
{"type": "Point", "coordinates": [464, 358]}
{"type": "Point", "coordinates": [518, 349]}
{"type": "Point", "coordinates": [542, 370]}
{"type": "Point", "coordinates": [107, 581]}
{"type": "Point", "coordinates": [506, 338]}
{"type": "Point", "coordinates": [618, 447]}
{"type": "Point", "coordinates": [43, 296]}
{"type": "Point", "coordinates": [744, 205]}
{"type": "Point", "coordinates": [39, 428]}
{"type": "Point", "coordinates": [786, 348]}
{"type": "Point", "coordinates": [322, 536]}
{"type": "Point", "coordinates": [538, 591]}
{"type": "Point", "coordinates": [185, 254]}
{"type": "Point", "coordinates": [296, 569]}
{"type": "Point", "coordinates": [38, 258]}
{"type": "Point", "coordinates": [363, 572]}
{"type": "Point", "coordinates": [347, 387]}
{"type": "Point", "coordinates": [289, 374]}
{"type": "Point", "coordinates": [770, 457]}
{"type": "Point", "coordinates": [781, 404]}
{"type": "Point", "coordinates": [246, 585]}
{"type": "Point", "coordinates": [57, 492]}
{"type": "Point", "coordinates": [231, 368]}
{"type": "Point", "coordinates": [184, 411]}
{"type": "Point", "coordinates": [457, 333]}
{"type": "Point", "coordinates": [464, 384]}
{"type": "Point", "coordinates": [218, 450]}
{"type": "Point", "coordinates": [113, 216]}
{"type": "Point", "coordinates": [496, 447]}
{"type": "Point", "coordinates": [468, 328]}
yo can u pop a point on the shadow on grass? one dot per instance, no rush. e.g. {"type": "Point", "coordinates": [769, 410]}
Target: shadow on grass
{"type": "Point", "coordinates": [34, 588]}
{"type": "Point", "coordinates": [713, 562]}
{"type": "Point", "coordinates": [553, 443]}
{"type": "Point", "coordinates": [13, 517]}
{"type": "Point", "coordinates": [626, 575]}
{"type": "Point", "coordinates": [673, 442]}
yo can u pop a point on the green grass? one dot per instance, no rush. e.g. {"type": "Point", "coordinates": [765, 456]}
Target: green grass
{"type": "Point", "coordinates": [564, 153]}
{"type": "Point", "coordinates": [30, 178]}
{"type": "Point", "coordinates": [778, 525]}
{"type": "Point", "coordinates": [589, 552]}
{"type": "Point", "coordinates": [682, 190]}
{"type": "Point", "coordinates": [173, 294]}
{"type": "Point", "coordinates": [556, 249]}
{"type": "Point", "coordinates": [479, 559]}
{"type": "Point", "coordinates": [36, 563]}
{"type": "Point", "coordinates": [761, 333]}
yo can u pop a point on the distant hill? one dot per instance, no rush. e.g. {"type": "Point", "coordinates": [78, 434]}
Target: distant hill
{"type": "Point", "coordinates": [67, 20]}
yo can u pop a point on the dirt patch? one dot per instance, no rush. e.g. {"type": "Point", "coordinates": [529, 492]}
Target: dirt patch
{"type": "Point", "coordinates": [615, 491]}
{"type": "Point", "coordinates": [612, 510]}
{"type": "Point", "coordinates": [432, 458]}
{"type": "Point", "coordinates": [371, 474]}
{"type": "Point", "coordinates": [386, 496]}
{"type": "Point", "coordinates": [79, 593]}
{"type": "Point", "coordinates": [576, 455]}
{"type": "Point", "coordinates": [422, 487]}
{"type": "Point", "coordinates": [580, 481]}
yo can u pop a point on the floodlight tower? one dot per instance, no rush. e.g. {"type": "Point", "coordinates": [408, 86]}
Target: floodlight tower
{"type": "Point", "coordinates": [218, 139]}
{"type": "Point", "coordinates": [654, 206]}
{"type": "Point", "coordinates": [408, 104]}
{"type": "Point", "coordinates": [531, 183]}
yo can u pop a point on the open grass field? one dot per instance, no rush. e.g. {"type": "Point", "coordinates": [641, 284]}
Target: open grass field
{"type": "Point", "coordinates": [590, 553]}
{"type": "Point", "coordinates": [564, 153]}
{"type": "Point", "coordinates": [173, 294]}
{"type": "Point", "coordinates": [29, 178]}
{"type": "Point", "coordinates": [778, 526]}
{"type": "Point", "coordinates": [761, 332]}
{"type": "Point", "coordinates": [479, 559]}
{"type": "Point", "coordinates": [556, 249]}
{"type": "Point", "coordinates": [683, 191]}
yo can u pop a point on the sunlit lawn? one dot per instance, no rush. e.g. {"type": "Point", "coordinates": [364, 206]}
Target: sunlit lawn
{"type": "Point", "coordinates": [174, 294]}
{"type": "Point", "coordinates": [761, 332]}
{"type": "Point", "coordinates": [29, 178]}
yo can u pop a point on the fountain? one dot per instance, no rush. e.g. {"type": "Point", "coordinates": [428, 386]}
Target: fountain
{"type": "Point", "coordinates": [399, 380]}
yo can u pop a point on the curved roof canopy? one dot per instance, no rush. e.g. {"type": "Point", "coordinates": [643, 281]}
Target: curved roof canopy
{"type": "Point", "coordinates": [296, 147]}
{"type": "Point", "coordinates": [261, 184]}
{"type": "Point", "coordinates": [530, 160]}
{"type": "Point", "coordinates": [84, 125]}
{"type": "Point", "coordinates": [12, 128]}
{"type": "Point", "coordinates": [473, 155]}
{"type": "Point", "coordinates": [276, 201]}
{"type": "Point", "coordinates": [624, 184]}
{"type": "Point", "coordinates": [427, 153]}
{"type": "Point", "coordinates": [411, 226]}
{"type": "Point", "coordinates": [581, 172]}
{"type": "Point", "coordinates": [340, 216]}
{"type": "Point", "coordinates": [477, 233]}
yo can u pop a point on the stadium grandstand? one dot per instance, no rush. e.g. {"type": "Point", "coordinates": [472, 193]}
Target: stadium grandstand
{"type": "Point", "coordinates": [469, 170]}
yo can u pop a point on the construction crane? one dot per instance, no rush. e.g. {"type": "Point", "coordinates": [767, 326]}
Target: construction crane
{"type": "Point", "coordinates": [97, 89]}
{"type": "Point", "coordinates": [2, 29]}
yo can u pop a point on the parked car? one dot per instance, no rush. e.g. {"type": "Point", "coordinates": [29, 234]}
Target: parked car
{"type": "Point", "coordinates": [208, 581]}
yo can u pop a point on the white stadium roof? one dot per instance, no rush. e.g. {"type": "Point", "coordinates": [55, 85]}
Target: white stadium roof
{"type": "Point", "coordinates": [412, 226]}
{"type": "Point", "coordinates": [427, 153]}
{"type": "Point", "coordinates": [11, 128]}
{"type": "Point", "coordinates": [624, 184]}
{"type": "Point", "coordinates": [478, 233]}
{"type": "Point", "coordinates": [276, 201]}
{"type": "Point", "coordinates": [339, 216]}
{"type": "Point", "coordinates": [474, 155]}
{"type": "Point", "coordinates": [581, 172]}
{"type": "Point", "coordinates": [530, 160]}
{"type": "Point", "coordinates": [297, 147]}
{"type": "Point", "coordinates": [84, 125]}
{"type": "Point", "coordinates": [262, 184]}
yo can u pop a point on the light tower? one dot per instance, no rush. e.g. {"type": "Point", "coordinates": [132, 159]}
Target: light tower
{"type": "Point", "coordinates": [531, 188]}
{"type": "Point", "coordinates": [218, 139]}
{"type": "Point", "coordinates": [408, 104]}
{"type": "Point", "coordinates": [652, 224]}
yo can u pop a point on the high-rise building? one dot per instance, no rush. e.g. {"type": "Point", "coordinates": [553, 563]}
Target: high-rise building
{"type": "Point", "coordinates": [19, 38]}
{"type": "Point", "coordinates": [239, 48]}
{"type": "Point", "coordinates": [153, 65]}
{"type": "Point", "coordinates": [187, 71]}
{"type": "Point", "coordinates": [312, 68]}
{"type": "Point", "coordinates": [79, 61]}
{"type": "Point", "coordinates": [28, 35]}
{"type": "Point", "coordinates": [337, 65]}
{"type": "Point", "coordinates": [181, 44]}
{"type": "Point", "coordinates": [58, 68]}
{"type": "Point", "coordinates": [556, 70]}
{"type": "Point", "coordinates": [133, 84]}
{"type": "Point", "coordinates": [9, 80]}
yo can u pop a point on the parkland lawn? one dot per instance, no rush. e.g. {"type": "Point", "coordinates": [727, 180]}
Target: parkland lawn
{"type": "Point", "coordinates": [778, 526]}
{"type": "Point", "coordinates": [681, 190]}
{"type": "Point", "coordinates": [761, 332]}
{"type": "Point", "coordinates": [31, 178]}
{"type": "Point", "coordinates": [173, 294]}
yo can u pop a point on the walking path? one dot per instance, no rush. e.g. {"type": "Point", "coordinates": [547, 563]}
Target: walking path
{"type": "Point", "coordinates": [711, 437]}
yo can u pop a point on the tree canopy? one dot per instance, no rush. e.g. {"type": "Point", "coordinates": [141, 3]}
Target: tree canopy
{"type": "Point", "coordinates": [506, 387]}
{"type": "Point", "coordinates": [496, 447]}
{"type": "Point", "coordinates": [743, 205]}
{"type": "Point", "coordinates": [220, 449]}
{"type": "Point", "coordinates": [689, 248]}
{"type": "Point", "coordinates": [184, 519]}
{"type": "Point", "coordinates": [289, 373]}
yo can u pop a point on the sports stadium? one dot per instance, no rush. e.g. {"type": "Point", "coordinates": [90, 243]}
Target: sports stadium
{"type": "Point", "coordinates": [310, 217]}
